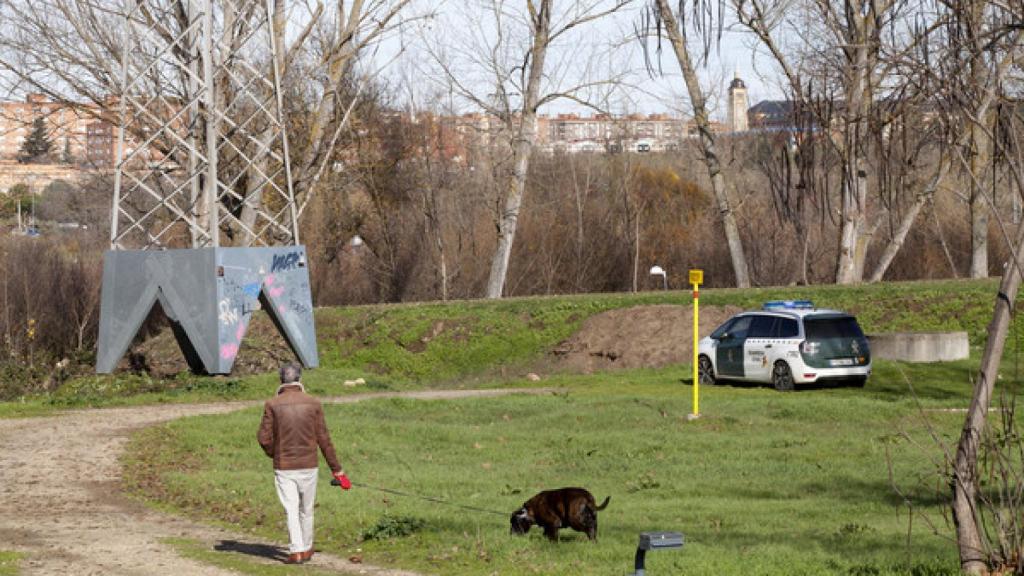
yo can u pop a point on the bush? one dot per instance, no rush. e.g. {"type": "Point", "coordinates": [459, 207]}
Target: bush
{"type": "Point", "coordinates": [393, 527]}
{"type": "Point", "coordinates": [49, 310]}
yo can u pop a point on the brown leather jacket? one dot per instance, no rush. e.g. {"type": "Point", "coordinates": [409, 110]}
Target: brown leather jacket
{"type": "Point", "coordinates": [293, 426]}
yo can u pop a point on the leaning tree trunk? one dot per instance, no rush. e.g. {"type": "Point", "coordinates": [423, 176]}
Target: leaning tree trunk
{"type": "Point", "coordinates": [521, 150]}
{"type": "Point", "coordinates": [964, 482]}
{"type": "Point", "coordinates": [908, 221]}
{"type": "Point", "coordinates": [707, 142]}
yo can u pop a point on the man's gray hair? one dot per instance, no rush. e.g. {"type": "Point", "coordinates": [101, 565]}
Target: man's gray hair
{"type": "Point", "coordinates": [290, 373]}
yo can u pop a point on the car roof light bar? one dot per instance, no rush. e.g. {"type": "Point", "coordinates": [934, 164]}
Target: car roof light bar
{"type": "Point", "coordinates": [788, 305]}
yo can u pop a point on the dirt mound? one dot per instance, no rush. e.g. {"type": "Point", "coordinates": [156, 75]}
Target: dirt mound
{"type": "Point", "coordinates": [638, 337]}
{"type": "Point", "coordinates": [262, 350]}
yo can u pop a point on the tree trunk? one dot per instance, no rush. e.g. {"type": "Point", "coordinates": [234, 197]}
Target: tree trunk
{"type": "Point", "coordinates": [254, 181]}
{"type": "Point", "coordinates": [636, 255]}
{"type": "Point", "coordinates": [800, 271]}
{"type": "Point", "coordinates": [853, 238]}
{"type": "Point", "coordinates": [854, 235]}
{"type": "Point", "coordinates": [707, 142]}
{"type": "Point", "coordinates": [508, 220]}
{"type": "Point", "coordinates": [581, 203]}
{"type": "Point", "coordinates": [964, 482]}
{"type": "Point", "coordinates": [979, 204]}
{"type": "Point", "coordinates": [979, 237]}
{"type": "Point", "coordinates": [252, 204]}
{"type": "Point", "coordinates": [908, 221]}
{"type": "Point", "coordinates": [443, 265]}
{"type": "Point", "coordinates": [978, 70]}
{"type": "Point", "coordinates": [942, 242]}
{"type": "Point", "coordinates": [522, 149]}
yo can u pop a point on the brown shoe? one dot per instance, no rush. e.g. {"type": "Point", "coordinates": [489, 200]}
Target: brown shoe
{"type": "Point", "coordinates": [297, 558]}
{"type": "Point", "coordinates": [307, 555]}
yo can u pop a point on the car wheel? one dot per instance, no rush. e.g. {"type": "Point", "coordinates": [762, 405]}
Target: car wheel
{"type": "Point", "coordinates": [782, 378]}
{"type": "Point", "coordinates": [705, 371]}
{"type": "Point", "coordinates": [859, 381]}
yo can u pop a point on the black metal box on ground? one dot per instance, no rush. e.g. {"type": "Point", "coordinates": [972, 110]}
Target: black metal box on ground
{"type": "Point", "coordinates": [656, 540]}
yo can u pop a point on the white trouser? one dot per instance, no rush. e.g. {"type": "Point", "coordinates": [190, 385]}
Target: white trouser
{"type": "Point", "coordinates": [297, 490]}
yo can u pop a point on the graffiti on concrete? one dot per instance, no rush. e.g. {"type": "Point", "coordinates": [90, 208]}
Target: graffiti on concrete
{"type": "Point", "coordinates": [228, 351]}
{"type": "Point", "coordinates": [228, 315]}
{"type": "Point", "coordinates": [283, 262]}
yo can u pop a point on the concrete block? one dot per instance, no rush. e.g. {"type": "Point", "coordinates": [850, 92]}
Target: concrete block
{"type": "Point", "coordinates": [208, 295]}
{"type": "Point", "coordinates": [920, 346]}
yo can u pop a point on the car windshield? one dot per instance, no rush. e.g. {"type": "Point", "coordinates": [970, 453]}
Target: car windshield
{"type": "Point", "coordinates": [834, 327]}
{"type": "Point", "coordinates": [722, 329]}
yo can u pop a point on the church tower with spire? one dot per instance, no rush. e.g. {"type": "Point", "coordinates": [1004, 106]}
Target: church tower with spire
{"type": "Point", "coordinates": [737, 105]}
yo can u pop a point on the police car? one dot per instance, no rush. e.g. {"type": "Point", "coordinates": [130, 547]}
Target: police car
{"type": "Point", "coordinates": [786, 343]}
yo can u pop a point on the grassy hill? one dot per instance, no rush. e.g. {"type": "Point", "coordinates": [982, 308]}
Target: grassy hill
{"type": "Point", "coordinates": [479, 337]}
{"type": "Point", "coordinates": [487, 343]}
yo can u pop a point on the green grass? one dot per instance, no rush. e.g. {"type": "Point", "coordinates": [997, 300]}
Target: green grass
{"type": "Point", "coordinates": [438, 342]}
{"type": "Point", "coordinates": [763, 483]}
{"type": "Point", "coordinates": [102, 391]}
{"type": "Point", "coordinates": [472, 343]}
{"type": "Point", "coordinates": [9, 562]}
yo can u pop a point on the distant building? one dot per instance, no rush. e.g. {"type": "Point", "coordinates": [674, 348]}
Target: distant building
{"type": "Point", "coordinates": [738, 119]}
{"type": "Point", "coordinates": [81, 134]}
{"type": "Point", "coordinates": [67, 126]}
{"type": "Point", "coordinates": [574, 133]}
{"type": "Point", "coordinates": [100, 144]}
{"type": "Point", "coordinates": [772, 115]}
{"type": "Point", "coordinates": [571, 133]}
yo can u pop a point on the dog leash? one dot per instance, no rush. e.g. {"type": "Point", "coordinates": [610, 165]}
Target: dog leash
{"type": "Point", "coordinates": [427, 498]}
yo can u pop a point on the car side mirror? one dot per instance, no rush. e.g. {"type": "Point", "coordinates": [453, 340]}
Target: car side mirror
{"type": "Point", "coordinates": [725, 336]}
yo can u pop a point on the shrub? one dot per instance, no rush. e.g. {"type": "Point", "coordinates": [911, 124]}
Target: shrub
{"type": "Point", "coordinates": [49, 309]}
{"type": "Point", "coordinates": [393, 527]}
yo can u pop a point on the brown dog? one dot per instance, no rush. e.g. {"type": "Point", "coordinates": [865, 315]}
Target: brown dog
{"type": "Point", "coordinates": [555, 509]}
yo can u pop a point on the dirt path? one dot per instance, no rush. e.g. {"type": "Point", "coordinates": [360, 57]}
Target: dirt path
{"type": "Point", "coordinates": [61, 505]}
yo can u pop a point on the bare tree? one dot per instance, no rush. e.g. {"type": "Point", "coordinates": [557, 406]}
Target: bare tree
{"type": "Point", "coordinates": [511, 53]}
{"type": "Point", "coordinates": [981, 40]}
{"type": "Point", "coordinates": [964, 106]}
{"type": "Point", "coordinates": [838, 76]}
{"type": "Point", "coordinates": [71, 51]}
{"type": "Point", "coordinates": [662, 19]}
{"type": "Point", "coordinates": [794, 172]}
{"type": "Point", "coordinates": [971, 539]}
{"type": "Point", "coordinates": [909, 75]}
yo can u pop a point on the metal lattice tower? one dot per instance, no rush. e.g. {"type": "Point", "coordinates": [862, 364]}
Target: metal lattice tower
{"type": "Point", "coordinates": [202, 134]}
{"type": "Point", "coordinates": [204, 218]}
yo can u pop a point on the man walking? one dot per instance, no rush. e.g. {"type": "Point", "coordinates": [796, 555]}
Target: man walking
{"type": "Point", "coordinates": [292, 427]}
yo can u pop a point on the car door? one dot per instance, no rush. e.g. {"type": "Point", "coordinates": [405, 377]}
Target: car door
{"type": "Point", "coordinates": [729, 353]}
{"type": "Point", "coordinates": [757, 347]}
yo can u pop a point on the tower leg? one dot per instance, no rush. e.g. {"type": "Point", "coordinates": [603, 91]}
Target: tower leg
{"type": "Point", "coordinates": [209, 295]}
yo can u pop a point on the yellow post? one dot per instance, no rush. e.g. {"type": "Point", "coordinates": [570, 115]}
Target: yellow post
{"type": "Point", "coordinates": [696, 279]}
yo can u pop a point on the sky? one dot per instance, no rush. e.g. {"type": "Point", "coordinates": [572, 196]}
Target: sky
{"type": "Point", "coordinates": [735, 54]}
{"type": "Point", "coordinates": [404, 58]}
